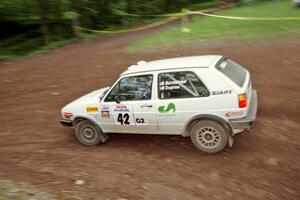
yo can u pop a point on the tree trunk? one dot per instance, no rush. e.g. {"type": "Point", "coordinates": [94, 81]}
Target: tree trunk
{"type": "Point", "coordinates": [42, 5]}
{"type": "Point", "coordinates": [128, 9]}
{"type": "Point", "coordinates": [59, 18]}
{"type": "Point", "coordinates": [129, 6]}
{"type": "Point", "coordinates": [169, 5]}
{"type": "Point", "coordinates": [75, 22]}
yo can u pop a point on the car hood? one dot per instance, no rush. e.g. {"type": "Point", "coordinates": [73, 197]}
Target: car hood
{"type": "Point", "coordinates": [90, 98]}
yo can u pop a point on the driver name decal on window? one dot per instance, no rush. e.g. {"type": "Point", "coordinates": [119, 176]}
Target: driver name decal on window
{"type": "Point", "coordinates": [182, 84]}
{"type": "Point", "coordinates": [171, 85]}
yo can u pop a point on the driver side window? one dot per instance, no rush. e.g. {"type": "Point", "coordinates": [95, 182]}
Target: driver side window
{"type": "Point", "coordinates": [132, 88]}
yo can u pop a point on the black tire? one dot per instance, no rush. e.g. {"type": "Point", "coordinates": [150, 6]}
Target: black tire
{"type": "Point", "coordinates": [209, 136]}
{"type": "Point", "coordinates": [89, 134]}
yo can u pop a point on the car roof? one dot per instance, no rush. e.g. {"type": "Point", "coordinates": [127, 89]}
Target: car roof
{"type": "Point", "coordinates": [173, 63]}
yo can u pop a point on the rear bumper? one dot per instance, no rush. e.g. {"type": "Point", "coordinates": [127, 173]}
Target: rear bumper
{"type": "Point", "coordinates": [66, 122]}
{"type": "Point", "coordinates": [247, 122]}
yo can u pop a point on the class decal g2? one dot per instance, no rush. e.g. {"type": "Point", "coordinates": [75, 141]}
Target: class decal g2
{"type": "Point", "coordinates": [140, 120]}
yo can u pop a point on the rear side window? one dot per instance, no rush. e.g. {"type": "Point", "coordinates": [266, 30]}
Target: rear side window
{"type": "Point", "coordinates": [180, 85]}
{"type": "Point", "coordinates": [233, 71]}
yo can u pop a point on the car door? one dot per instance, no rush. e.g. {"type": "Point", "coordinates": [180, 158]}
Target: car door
{"type": "Point", "coordinates": [181, 94]}
{"type": "Point", "coordinates": [129, 106]}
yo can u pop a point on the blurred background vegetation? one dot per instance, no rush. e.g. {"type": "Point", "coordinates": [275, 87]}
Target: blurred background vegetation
{"type": "Point", "coordinates": [219, 29]}
{"type": "Point", "coordinates": [30, 26]}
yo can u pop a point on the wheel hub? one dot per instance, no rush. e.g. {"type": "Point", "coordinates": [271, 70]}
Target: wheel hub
{"type": "Point", "coordinates": [209, 137]}
{"type": "Point", "coordinates": [88, 133]}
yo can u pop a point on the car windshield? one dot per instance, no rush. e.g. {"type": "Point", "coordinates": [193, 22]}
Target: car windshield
{"type": "Point", "coordinates": [233, 71]}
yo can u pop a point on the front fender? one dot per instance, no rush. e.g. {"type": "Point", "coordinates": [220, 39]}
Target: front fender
{"type": "Point", "coordinates": [88, 117]}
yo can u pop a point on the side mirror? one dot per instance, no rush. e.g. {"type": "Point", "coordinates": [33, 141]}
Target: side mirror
{"type": "Point", "coordinates": [102, 95]}
{"type": "Point", "coordinates": [117, 99]}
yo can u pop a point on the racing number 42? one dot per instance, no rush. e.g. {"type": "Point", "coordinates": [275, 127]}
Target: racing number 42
{"type": "Point", "coordinates": [123, 118]}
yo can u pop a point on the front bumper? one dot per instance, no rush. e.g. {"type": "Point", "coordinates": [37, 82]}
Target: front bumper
{"type": "Point", "coordinates": [247, 122]}
{"type": "Point", "coordinates": [66, 122]}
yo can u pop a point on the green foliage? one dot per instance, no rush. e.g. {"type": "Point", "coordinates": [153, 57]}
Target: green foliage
{"type": "Point", "coordinates": [34, 25]}
{"type": "Point", "coordinates": [8, 198]}
{"type": "Point", "coordinates": [208, 28]}
{"type": "Point", "coordinates": [4, 196]}
{"type": "Point", "coordinates": [203, 5]}
{"type": "Point", "coordinates": [70, 15]}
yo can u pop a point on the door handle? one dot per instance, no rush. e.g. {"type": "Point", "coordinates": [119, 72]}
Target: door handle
{"type": "Point", "coordinates": [146, 106]}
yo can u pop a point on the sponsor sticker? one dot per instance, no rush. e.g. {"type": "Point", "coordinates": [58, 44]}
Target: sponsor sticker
{"type": "Point", "coordinates": [104, 108]}
{"type": "Point", "coordinates": [169, 108]}
{"type": "Point", "coordinates": [234, 113]}
{"type": "Point", "coordinates": [92, 109]}
{"type": "Point", "coordinates": [105, 112]}
{"type": "Point", "coordinates": [121, 108]}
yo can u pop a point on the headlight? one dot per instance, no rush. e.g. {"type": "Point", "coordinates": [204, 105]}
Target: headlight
{"type": "Point", "coordinates": [67, 115]}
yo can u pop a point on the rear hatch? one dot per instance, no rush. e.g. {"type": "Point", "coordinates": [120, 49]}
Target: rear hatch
{"type": "Point", "coordinates": [240, 78]}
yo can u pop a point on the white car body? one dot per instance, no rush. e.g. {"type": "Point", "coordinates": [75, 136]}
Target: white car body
{"type": "Point", "coordinates": [151, 116]}
{"type": "Point", "coordinates": [296, 3]}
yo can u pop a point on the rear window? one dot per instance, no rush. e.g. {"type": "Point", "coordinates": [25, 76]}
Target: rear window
{"type": "Point", "coordinates": [233, 71]}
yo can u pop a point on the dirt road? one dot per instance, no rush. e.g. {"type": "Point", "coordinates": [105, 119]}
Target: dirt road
{"type": "Point", "coordinates": [35, 149]}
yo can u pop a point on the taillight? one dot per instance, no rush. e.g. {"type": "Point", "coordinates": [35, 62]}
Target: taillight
{"type": "Point", "coordinates": [242, 101]}
{"type": "Point", "coordinates": [67, 115]}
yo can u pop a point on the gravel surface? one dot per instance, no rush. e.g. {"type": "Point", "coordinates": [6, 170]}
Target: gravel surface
{"type": "Point", "coordinates": [36, 150]}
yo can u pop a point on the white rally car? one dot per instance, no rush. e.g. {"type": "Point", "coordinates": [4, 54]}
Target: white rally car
{"type": "Point", "coordinates": [207, 98]}
{"type": "Point", "coordinates": [296, 3]}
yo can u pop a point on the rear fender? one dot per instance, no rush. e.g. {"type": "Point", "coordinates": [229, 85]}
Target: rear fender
{"type": "Point", "coordinates": [226, 124]}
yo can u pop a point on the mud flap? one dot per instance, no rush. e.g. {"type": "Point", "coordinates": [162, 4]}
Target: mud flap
{"type": "Point", "coordinates": [230, 141]}
{"type": "Point", "coordinates": [104, 137]}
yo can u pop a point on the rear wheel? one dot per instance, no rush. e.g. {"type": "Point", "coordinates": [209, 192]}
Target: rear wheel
{"type": "Point", "coordinates": [209, 136]}
{"type": "Point", "coordinates": [89, 134]}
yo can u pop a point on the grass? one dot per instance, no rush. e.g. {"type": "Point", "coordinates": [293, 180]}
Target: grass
{"type": "Point", "coordinates": [6, 198]}
{"type": "Point", "coordinates": [209, 28]}
{"type": "Point", "coordinates": [3, 196]}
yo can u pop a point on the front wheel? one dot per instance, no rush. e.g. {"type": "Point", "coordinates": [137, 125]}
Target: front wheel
{"type": "Point", "coordinates": [209, 136]}
{"type": "Point", "coordinates": [89, 134]}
